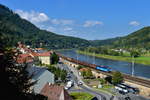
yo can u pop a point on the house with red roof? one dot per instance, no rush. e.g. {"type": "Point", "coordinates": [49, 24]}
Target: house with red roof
{"type": "Point", "coordinates": [28, 54]}
{"type": "Point", "coordinates": [24, 58]}
{"type": "Point", "coordinates": [44, 57]}
{"type": "Point", "coordinates": [55, 92]}
{"type": "Point", "coordinates": [84, 69]}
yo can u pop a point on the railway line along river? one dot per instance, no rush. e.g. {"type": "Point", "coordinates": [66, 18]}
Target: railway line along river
{"type": "Point", "coordinates": [124, 67]}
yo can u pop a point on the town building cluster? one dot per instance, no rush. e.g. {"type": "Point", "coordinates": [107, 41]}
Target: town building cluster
{"type": "Point", "coordinates": [45, 84]}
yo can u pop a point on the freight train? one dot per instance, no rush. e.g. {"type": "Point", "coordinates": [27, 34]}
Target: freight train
{"type": "Point", "coordinates": [97, 67]}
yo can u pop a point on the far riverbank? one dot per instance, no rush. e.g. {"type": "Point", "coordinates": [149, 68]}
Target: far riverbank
{"type": "Point", "coordinates": [145, 60]}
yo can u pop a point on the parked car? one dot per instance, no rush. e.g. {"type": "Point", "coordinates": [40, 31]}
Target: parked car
{"type": "Point", "coordinates": [80, 83]}
{"type": "Point", "coordinates": [127, 98]}
{"type": "Point", "coordinates": [70, 84]}
{"type": "Point", "coordinates": [130, 88]}
{"type": "Point", "coordinates": [121, 89]}
{"type": "Point", "coordinates": [66, 88]}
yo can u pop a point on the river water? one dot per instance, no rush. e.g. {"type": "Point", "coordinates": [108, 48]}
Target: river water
{"type": "Point", "coordinates": [125, 67]}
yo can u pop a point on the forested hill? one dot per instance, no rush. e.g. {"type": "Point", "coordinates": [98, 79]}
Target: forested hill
{"type": "Point", "coordinates": [138, 39]}
{"type": "Point", "coordinates": [15, 29]}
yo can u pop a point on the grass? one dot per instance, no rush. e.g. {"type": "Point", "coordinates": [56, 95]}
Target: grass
{"type": "Point", "coordinates": [107, 89]}
{"type": "Point", "coordinates": [81, 96]}
{"type": "Point", "coordinates": [140, 60]}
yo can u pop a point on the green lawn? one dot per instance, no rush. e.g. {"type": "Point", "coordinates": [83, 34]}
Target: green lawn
{"type": "Point", "coordinates": [141, 60]}
{"type": "Point", "coordinates": [81, 96]}
{"type": "Point", "coordinates": [107, 89]}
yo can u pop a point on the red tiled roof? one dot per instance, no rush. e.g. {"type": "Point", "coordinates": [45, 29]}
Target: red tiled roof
{"type": "Point", "coordinates": [34, 54]}
{"type": "Point", "coordinates": [24, 58]}
{"type": "Point", "coordinates": [53, 92]}
{"type": "Point", "coordinates": [39, 48]}
{"type": "Point", "coordinates": [48, 53]}
{"type": "Point", "coordinates": [84, 69]}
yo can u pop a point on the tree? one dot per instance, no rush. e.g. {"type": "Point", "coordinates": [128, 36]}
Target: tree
{"type": "Point", "coordinates": [15, 81]}
{"type": "Point", "coordinates": [134, 53]}
{"type": "Point", "coordinates": [63, 75]}
{"type": "Point", "coordinates": [59, 74]}
{"type": "Point", "coordinates": [89, 73]}
{"type": "Point", "coordinates": [102, 81]}
{"type": "Point", "coordinates": [108, 79]}
{"type": "Point", "coordinates": [54, 58]}
{"type": "Point", "coordinates": [117, 78]}
{"type": "Point", "coordinates": [83, 73]}
{"type": "Point", "coordinates": [80, 66]}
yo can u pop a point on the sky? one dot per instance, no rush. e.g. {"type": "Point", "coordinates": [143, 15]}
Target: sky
{"type": "Point", "coordinates": [88, 19]}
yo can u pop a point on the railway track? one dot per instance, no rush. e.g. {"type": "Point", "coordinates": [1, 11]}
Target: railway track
{"type": "Point", "coordinates": [137, 80]}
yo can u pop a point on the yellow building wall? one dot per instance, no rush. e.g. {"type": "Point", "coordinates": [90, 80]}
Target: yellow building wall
{"type": "Point", "coordinates": [45, 60]}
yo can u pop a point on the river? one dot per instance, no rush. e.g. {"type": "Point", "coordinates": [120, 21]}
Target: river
{"type": "Point", "coordinates": [125, 67]}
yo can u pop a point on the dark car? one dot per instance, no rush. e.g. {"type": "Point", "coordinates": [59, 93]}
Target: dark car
{"type": "Point", "coordinates": [127, 98]}
{"type": "Point", "coordinates": [121, 92]}
{"type": "Point", "coordinates": [60, 62]}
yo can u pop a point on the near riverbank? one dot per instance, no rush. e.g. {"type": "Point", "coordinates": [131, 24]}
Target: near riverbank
{"type": "Point", "coordinates": [140, 60]}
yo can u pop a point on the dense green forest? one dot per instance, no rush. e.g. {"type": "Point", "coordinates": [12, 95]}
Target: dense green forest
{"type": "Point", "coordinates": [138, 39]}
{"type": "Point", "coordinates": [15, 29]}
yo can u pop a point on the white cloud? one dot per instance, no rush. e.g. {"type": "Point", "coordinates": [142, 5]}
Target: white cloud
{"type": "Point", "coordinates": [68, 29]}
{"type": "Point", "coordinates": [92, 23]}
{"type": "Point", "coordinates": [134, 23]}
{"type": "Point", "coordinates": [62, 21]}
{"type": "Point", "coordinates": [34, 17]}
{"type": "Point", "coordinates": [55, 21]}
{"type": "Point", "coordinates": [67, 22]}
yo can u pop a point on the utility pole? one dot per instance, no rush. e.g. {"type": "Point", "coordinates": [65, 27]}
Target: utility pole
{"type": "Point", "coordinates": [86, 55]}
{"type": "Point", "coordinates": [132, 65]}
{"type": "Point", "coordinates": [77, 58]}
{"type": "Point", "coordinates": [94, 58]}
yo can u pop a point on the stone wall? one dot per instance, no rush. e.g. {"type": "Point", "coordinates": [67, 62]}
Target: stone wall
{"type": "Point", "coordinates": [98, 74]}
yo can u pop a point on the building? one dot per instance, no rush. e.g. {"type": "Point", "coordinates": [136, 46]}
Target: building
{"type": "Point", "coordinates": [42, 76]}
{"type": "Point", "coordinates": [44, 57]}
{"type": "Point", "coordinates": [55, 92]}
{"type": "Point", "coordinates": [24, 58]}
{"type": "Point", "coordinates": [84, 69]}
{"type": "Point", "coordinates": [23, 48]}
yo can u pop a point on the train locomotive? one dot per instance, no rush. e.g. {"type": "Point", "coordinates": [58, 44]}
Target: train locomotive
{"type": "Point", "coordinates": [103, 68]}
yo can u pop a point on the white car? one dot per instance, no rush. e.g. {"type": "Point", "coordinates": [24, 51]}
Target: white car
{"type": "Point", "coordinates": [80, 83]}
{"type": "Point", "coordinates": [66, 88]}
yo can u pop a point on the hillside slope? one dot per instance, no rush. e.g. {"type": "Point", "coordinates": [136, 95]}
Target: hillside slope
{"type": "Point", "coordinates": [17, 29]}
{"type": "Point", "coordinates": [138, 39]}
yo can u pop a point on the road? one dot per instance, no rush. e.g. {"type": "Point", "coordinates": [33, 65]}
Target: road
{"type": "Point", "coordinates": [75, 76]}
